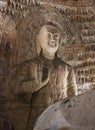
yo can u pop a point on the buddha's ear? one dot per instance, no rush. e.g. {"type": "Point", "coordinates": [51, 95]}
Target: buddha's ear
{"type": "Point", "coordinates": [38, 45]}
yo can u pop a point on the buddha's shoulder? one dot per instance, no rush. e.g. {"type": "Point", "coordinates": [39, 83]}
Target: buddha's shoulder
{"type": "Point", "coordinates": [62, 62]}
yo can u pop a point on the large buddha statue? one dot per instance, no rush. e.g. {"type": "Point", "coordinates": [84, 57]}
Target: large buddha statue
{"type": "Point", "coordinates": [43, 80]}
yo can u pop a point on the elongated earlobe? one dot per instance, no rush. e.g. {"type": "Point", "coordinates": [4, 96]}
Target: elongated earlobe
{"type": "Point", "coordinates": [38, 46]}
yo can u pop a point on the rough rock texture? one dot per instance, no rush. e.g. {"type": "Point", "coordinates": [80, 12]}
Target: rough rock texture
{"type": "Point", "coordinates": [8, 51]}
{"type": "Point", "coordinates": [81, 53]}
{"type": "Point", "coordinates": [77, 113]}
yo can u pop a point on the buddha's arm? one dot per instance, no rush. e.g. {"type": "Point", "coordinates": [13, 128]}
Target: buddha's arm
{"type": "Point", "coordinates": [30, 86]}
{"type": "Point", "coordinates": [33, 84]}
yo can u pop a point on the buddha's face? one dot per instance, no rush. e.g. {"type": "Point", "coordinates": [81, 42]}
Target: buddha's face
{"type": "Point", "coordinates": [49, 38]}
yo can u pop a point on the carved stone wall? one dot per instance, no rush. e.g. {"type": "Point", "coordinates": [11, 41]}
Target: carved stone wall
{"type": "Point", "coordinates": [8, 51]}
{"type": "Point", "coordinates": [4, 72]}
{"type": "Point", "coordinates": [80, 52]}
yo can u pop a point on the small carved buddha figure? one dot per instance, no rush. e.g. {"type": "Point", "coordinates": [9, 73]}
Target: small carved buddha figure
{"type": "Point", "coordinates": [42, 80]}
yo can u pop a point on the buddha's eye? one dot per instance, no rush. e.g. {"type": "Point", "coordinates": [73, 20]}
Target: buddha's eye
{"type": "Point", "coordinates": [49, 35]}
{"type": "Point", "coordinates": [56, 36]}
